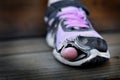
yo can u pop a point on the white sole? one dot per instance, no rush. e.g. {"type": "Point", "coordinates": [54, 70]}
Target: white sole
{"type": "Point", "coordinates": [94, 53]}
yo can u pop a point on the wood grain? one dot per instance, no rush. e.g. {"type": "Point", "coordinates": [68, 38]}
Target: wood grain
{"type": "Point", "coordinates": [31, 59]}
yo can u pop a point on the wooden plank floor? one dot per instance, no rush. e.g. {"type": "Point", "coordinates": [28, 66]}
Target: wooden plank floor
{"type": "Point", "coordinates": [31, 59]}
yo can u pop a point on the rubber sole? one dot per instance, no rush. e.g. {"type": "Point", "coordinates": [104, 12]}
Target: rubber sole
{"type": "Point", "coordinates": [95, 57]}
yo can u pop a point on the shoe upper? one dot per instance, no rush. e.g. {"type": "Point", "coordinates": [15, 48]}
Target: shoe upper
{"type": "Point", "coordinates": [71, 27]}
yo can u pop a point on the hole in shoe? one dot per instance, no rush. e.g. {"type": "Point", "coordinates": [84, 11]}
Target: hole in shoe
{"type": "Point", "coordinates": [81, 54]}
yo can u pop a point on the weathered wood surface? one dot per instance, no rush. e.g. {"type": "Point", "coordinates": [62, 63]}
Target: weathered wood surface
{"type": "Point", "coordinates": [31, 59]}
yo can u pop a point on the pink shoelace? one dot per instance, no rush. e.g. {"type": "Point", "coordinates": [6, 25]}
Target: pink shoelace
{"type": "Point", "coordinates": [75, 17]}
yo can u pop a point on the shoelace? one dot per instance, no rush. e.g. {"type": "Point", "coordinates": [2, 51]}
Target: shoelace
{"type": "Point", "coordinates": [74, 17]}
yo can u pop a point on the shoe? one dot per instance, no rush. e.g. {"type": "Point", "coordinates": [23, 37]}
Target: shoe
{"type": "Point", "coordinates": [70, 27]}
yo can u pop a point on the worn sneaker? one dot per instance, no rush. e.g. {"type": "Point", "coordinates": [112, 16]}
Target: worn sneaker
{"type": "Point", "coordinates": [72, 36]}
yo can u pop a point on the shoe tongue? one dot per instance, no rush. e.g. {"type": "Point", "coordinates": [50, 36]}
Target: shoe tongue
{"type": "Point", "coordinates": [74, 17]}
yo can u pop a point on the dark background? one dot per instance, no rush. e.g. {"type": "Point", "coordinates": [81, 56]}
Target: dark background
{"type": "Point", "coordinates": [24, 18]}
